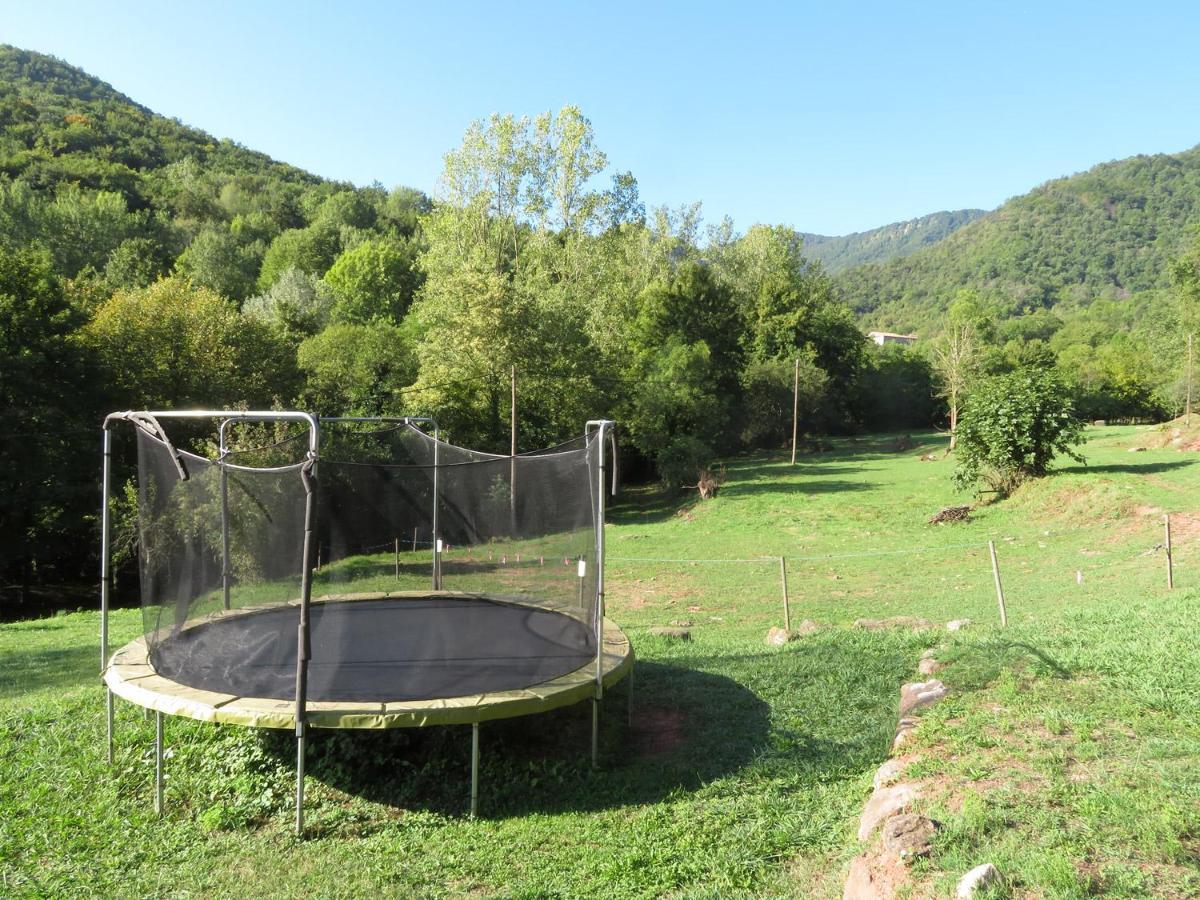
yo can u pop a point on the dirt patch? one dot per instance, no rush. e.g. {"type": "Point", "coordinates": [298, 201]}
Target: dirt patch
{"type": "Point", "coordinates": [657, 730]}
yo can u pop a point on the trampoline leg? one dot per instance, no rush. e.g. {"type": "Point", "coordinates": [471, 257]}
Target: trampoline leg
{"type": "Point", "coordinates": [474, 768]}
{"type": "Point", "coordinates": [158, 762]}
{"type": "Point", "coordinates": [595, 732]}
{"type": "Point", "coordinates": [109, 717]}
{"type": "Point", "coordinates": [300, 785]}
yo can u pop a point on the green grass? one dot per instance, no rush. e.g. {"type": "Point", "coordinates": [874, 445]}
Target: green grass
{"type": "Point", "coordinates": [1073, 734]}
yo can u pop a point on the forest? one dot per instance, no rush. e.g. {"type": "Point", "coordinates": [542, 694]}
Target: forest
{"type": "Point", "coordinates": [145, 264]}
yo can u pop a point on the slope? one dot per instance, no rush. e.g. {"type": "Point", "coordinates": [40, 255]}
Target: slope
{"type": "Point", "coordinates": [886, 242]}
{"type": "Point", "coordinates": [1108, 233]}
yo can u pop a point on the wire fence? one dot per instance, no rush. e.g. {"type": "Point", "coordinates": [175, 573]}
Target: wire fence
{"type": "Point", "coordinates": [984, 581]}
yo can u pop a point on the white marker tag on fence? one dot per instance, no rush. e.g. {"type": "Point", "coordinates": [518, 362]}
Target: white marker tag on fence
{"type": "Point", "coordinates": [582, 567]}
{"type": "Point", "coordinates": [439, 545]}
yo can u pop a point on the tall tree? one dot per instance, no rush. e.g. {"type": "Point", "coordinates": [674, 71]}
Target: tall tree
{"type": "Point", "coordinates": [957, 354]}
{"type": "Point", "coordinates": [1186, 272]}
{"type": "Point", "coordinates": [46, 391]}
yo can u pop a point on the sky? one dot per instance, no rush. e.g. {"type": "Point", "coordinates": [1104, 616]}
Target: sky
{"type": "Point", "coordinates": [829, 118]}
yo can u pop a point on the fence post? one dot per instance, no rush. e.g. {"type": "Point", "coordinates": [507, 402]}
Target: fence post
{"type": "Point", "coordinates": [1170, 558]}
{"type": "Point", "coordinates": [999, 584]}
{"type": "Point", "coordinates": [414, 539]}
{"type": "Point", "coordinates": [787, 608]}
{"type": "Point", "coordinates": [397, 559]}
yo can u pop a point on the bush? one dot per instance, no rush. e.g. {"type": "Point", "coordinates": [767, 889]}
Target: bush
{"type": "Point", "coordinates": [682, 460]}
{"type": "Point", "coordinates": [1012, 428]}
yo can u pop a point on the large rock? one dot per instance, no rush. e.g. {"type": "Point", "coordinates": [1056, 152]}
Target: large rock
{"type": "Point", "coordinates": [908, 836]}
{"type": "Point", "coordinates": [929, 666]}
{"type": "Point", "coordinates": [904, 729]}
{"type": "Point", "coordinates": [885, 803]}
{"type": "Point", "coordinates": [920, 694]}
{"type": "Point", "coordinates": [889, 772]}
{"type": "Point", "coordinates": [777, 637]}
{"type": "Point", "coordinates": [679, 634]}
{"type": "Point", "coordinates": [977, 879]}
{"type": "Point", "coordinates": [808, 626]}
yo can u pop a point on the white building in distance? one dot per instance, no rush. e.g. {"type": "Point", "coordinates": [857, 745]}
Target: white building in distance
{"type": "Point", "coordinates": [886, 337]}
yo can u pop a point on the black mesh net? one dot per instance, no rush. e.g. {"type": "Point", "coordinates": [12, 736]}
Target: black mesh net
{"type": "Point", "coordinates": [439, 572]}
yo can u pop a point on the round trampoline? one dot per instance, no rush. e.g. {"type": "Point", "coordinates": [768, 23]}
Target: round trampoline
{"type": "Point", "coordinates": [360, 573]}
{"type": "Point", "coordinates": [392, 660]}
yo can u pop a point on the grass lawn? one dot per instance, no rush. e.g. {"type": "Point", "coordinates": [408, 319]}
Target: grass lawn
{"type": "Point", "coordinates": [1068, 748]}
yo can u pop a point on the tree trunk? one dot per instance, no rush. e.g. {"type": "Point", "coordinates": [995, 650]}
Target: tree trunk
{"type": "Point", "coordinates": [953, 421]}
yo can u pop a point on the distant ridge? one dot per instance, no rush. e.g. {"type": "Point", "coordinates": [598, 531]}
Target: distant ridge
{"type": "Point", "coordinates": [1108, 233]}
{"type": "Point", "coordinates": [887, 242]}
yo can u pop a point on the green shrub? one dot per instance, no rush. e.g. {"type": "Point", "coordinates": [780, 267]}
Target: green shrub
{"type": "Point", "coordinates": [1013, 427]}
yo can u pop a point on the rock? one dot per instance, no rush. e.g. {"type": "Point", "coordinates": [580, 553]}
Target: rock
{"type": "Point", "coordinates": [957, 624]}
{"type": "Point", "coordinates": [920, 694]}
{"type": "Point", "coordinates": [977, 879]}
{"type": "Point", "coordinates": [808, 626]}
{"type": "Point", "coordinates": [889, 772]}
{"type": "Point", "coordinates": [904, 728]}
{"type": "Point", "coordinates": [777, 637]}
{"type": "Point", "coordinates": [929, 654]}
{"type": "Point", "coordinates": [908, 836]}
{"type": "Point", "coordinates": [1137, 449]}
{"type": "Point", "coordinates": [681, 623]}
{"type": "Point", "coordinates": [885, 803]}
{"type": "Point", "coordinates": [679, 634]}
{"type": "Point", "coordinates": [929, 666]}
{"type": "Point", "coordinates": [893, 622]}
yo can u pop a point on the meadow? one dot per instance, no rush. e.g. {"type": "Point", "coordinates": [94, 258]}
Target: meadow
{"type": "Point", "coordinates": [1064, 754]}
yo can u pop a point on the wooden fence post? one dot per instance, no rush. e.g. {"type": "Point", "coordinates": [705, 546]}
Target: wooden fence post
{"type": "Point", "coordinates": [1170, 558]}
{"type": "Point", "coordinates": [787, 608]}
{"type": "Point", "coordinates": [999, 584]}
{"type": "Point", "coordinates": [397, 559]}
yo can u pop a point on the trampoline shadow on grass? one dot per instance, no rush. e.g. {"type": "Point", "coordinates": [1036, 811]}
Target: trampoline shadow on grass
{"type": "Point", "coordinates": [687, 728]}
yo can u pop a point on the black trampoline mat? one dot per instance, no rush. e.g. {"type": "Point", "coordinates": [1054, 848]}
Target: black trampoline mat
{"type": "Point", "coordinates": [379, 650]}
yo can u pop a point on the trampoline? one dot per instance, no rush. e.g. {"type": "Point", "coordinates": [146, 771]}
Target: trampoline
{"type": "Point", "coordinates": [269, 600]}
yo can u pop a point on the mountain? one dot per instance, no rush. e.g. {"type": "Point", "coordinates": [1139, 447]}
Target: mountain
{"type": "Point", "coordinates": [888, 242]}
{"type": "Point", "coordinates": [1107, 233]}
{"type": "Point", "coordinates": [59, 124]}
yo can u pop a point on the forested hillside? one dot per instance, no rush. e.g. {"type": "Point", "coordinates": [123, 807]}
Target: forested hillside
{"type": "Point", "coordinates": [1105, 234]}
{"type": "Point", "coordinates": [146, 264]}
{"type": "Point", "coordinates": [888, 242]}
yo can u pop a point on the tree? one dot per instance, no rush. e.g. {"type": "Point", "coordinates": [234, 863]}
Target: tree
{"type": "Point", "coordinates": [375, 280]}
{"type": "Point", "coordinates": [46, 390]}
{"type": "Point", "coordinates": [353, 369]}
{"type": "Point", "coordinates": [216, 259]}
{"type": "Point", "coordinates": [1013, 427]}
{"type": "Point", "coordinates": [174, 344]}
{"type": "Point", "coordinates": [687, 358]}
{"type": "Point", "coordinates": [310, 250]}
{"type": "Point", "coordinates": [1186, 274]}
{"type": "Point", "coordinates": [297, 305]}
{"type": "Point", "coordinates": [507, 276]}
{"type": "Point", "coordinates": [957, 354]}
{"type": "Point", "coordinates": [897, 389]}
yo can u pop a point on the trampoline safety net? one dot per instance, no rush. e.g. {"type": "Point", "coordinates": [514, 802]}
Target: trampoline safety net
{"type": "Point", "coordinates": [437, 571]}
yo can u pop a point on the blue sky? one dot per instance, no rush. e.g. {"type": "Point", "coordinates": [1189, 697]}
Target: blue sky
{"type": "Point", "coordinates": [826, 117]}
